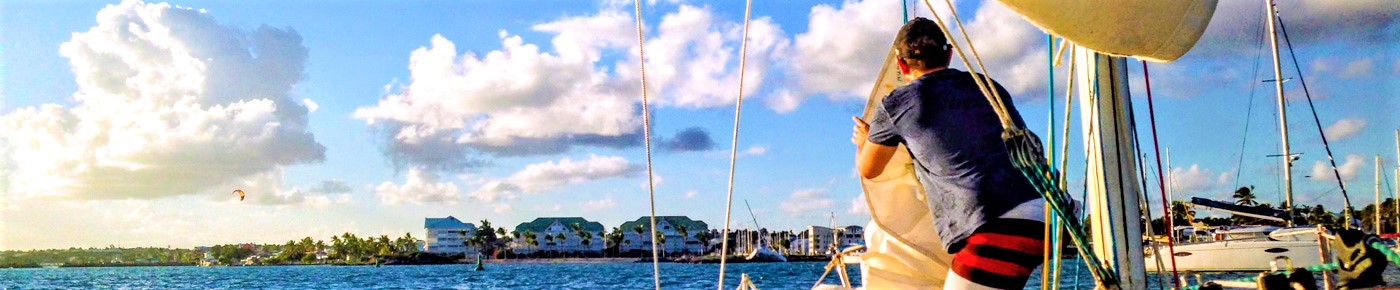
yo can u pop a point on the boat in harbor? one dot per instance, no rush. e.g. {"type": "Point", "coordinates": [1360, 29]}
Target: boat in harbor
{"type": "Point", "coordinates": [51, 265]}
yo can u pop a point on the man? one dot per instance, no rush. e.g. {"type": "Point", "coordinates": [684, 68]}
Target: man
{"type": "Point", "coordinates": [986, 213]}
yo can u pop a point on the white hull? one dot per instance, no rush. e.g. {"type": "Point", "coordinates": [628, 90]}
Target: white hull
{"type": "Point", "coordinates": [1239, 256]}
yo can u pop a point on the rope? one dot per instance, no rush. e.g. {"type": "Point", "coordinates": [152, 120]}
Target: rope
{"type": "Point", "coordinates": [646, 134]}
{"type": "Point", "coordinates": [734, 146]}
{"type": "Point", "coordinates": [1026, 155]}
{"type": "Point", "coordinates": [1064, 162]}
{"type": "Point", "coordinates": [1051, 225]}
{"type": "Point", "coordinates": [1161, 183]}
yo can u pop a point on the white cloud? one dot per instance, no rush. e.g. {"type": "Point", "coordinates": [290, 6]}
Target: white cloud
{"type": "Point", "coordinates": [267, 189]}
{"type": "Point", "coordinates": [858, 206]}
{"type": "Point", "coordinates": [1322, 171]}
{"type": "Point", "coordinates": [754, 150]}
{"type": "Point", "coordinates": [1195, 179]}
{"type": "Point", "coordinates": [169, 102]}
{"type": "Point", "coordinates": [522, 100]}
{"type": "Point", "coordinates": [1344, 128]}
{"type": "Point", "coordinates": [691, 194]}
{"type": "Point", "coordinates": [311, 106]}
{"type": "Point", "coordinates": [806, 201]}
{"type": "Point", "coordinates": [598, 205]}
{"type": "Point", "coordinates": [419, 187]}
{"type": "Point", "coordinates": [842, 49]}
{"type": "Point", "coordinates": [693, 59]}
{"type": "Point", "coordinates": [551, 175]}
{"type": "Point", "coordinates": [1358, 68]}
{"type": "Point", "coordinates": [503, 208]}
{"type": "Point", "coordinates": [784, 101]}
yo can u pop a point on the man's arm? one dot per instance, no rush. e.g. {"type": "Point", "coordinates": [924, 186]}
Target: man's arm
{"type": "Point", "coordinates": [871, 157]}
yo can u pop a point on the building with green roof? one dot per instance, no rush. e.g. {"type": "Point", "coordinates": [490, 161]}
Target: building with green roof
{"type": "Point", "coordinates": [558, 234]}
{"type": "Point", "coordinates": [670, 227]}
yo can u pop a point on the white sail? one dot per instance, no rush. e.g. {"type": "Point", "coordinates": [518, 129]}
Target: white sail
{"type": "Point", "coordinates": [1157, 31]}
{"type": "Point", "coordinates": [902, 248]}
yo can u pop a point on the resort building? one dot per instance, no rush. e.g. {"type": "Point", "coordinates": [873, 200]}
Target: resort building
{"type": "Point", "coordinates": [447, 235]}
{"type": "Point", "coordinates": [819, 239]}
{"type": "Point", "coordinates": [558, 234]}
{"type": "Point", "coordinates": [669, 226]}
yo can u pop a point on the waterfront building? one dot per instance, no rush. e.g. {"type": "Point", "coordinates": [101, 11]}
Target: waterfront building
{"type": "Point", "coordinates": [447, 235]}
{"type": "Point", "coordinates": [669, 226]}
{"type": "Point", "coordinates": [825, 241]}
{"type": "Point", "coordinates": [559, 234]}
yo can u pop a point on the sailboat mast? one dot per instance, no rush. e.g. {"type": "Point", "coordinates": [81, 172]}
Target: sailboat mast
{"type": "Point", "coordinates": [1283, 119]}
{"type": "Point", "coordinates": [1396, 195]}
{"type": "Point", "coordinates": [1113, 193]}
{"type": "Point", "coordinates": [1378, 194]}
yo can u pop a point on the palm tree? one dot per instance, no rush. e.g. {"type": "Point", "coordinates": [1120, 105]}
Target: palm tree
{"type": "Point", "coordinates": [614, 238]}
{"type": "Point", "coordinates": [639, 229]}
{"type": "Point", "coordinates": [586, 239]}
{"type": "Point", "coordinates": [562, 239]}
{"type": "Point", "coordinates": [578, 232]}
{"type": "Point", "coordinates": [680, 229]}
{"type": "Point", "coordinates": [704, 238]}
{"type": "Point", "coordinates": [1245, 196]}
{"type": "Point", "coordinates": [660, 242]}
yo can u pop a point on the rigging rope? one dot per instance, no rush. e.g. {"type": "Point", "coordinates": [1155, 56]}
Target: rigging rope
{"type": "Point", "coordinates": [1064, 163]}
{"type": "Point", "coordinates": [1026, 152]}
{"type": "Point", "coordinates": [646, 134]}
{"type": "Point", "coordinates": [734, 147]}
{"type": "Point", "coordinates": [1161, 183]}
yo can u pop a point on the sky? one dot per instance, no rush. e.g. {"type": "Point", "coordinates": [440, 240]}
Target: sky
{"type": "Point", "coordinates": [129, 123]}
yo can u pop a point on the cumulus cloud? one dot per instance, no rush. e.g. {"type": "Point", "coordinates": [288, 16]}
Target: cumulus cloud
{"type": "Point", "coordinates": [690, 139]}
{"type": "Point", "coordinates": [598, 205]}
{"type": "Point", "coordinates": [419, 187]}
{"type": "Point", "coordinates": [169, 102]}
{"type": "Point", "coordinates": [858, 206]}
{"type": "Point", "coordinates": [805, 201]}
{"type": "Point", "coordinates": [1344, 128]}
{"type": "Point", "coordinates": [1195, 178]}
{"type": "Point", "coordinates": [1358, 68]}
{"type": "Point", "coordinates": [842, 49]}
{"type": "Point", "coordinates": [460, 109]}
{"type": "Point", "coordinates": [502, 208]}
{"type": "Point", "coordinates": [1322, 171]}
{"type": "Point", "coordinates": [551, 175]}
{"type": "Point", "coordinates": [267, 189]}
{"type": "Point", "coordinates": [691, 194]}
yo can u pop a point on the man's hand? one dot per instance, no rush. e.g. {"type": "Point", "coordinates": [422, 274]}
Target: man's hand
{"type": "Point", "coordinates": [860, 132]}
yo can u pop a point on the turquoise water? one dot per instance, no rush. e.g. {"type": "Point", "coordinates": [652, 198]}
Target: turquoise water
{"type": "Point", "coordinates": [497, 276]}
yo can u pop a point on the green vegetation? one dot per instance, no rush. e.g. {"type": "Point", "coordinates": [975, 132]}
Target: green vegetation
{"type": "Point", "coordinates": [345, 249]}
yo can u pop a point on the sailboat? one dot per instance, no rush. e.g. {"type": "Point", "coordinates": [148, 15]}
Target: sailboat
{"type": "Point", "coordinates": [1253, 248]}
{"type": "Point", "coordinates": [761, 251]}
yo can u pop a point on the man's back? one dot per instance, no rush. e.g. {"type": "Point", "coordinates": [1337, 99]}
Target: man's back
{"type": "Point", "coordinates": [955, 139]}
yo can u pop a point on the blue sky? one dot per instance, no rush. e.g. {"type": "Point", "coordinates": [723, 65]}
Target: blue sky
{"type": "Point", "coordinates": [554, 128]}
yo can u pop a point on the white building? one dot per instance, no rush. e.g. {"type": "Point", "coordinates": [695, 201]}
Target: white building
{"type": "Point", "coordinates": [670, 227]}
{"type": "Point", "coordinates": [819, 239]}
{"type": "Point", "coordinates": [559, 234]}
{"type": "Point", "coordinates": [447, 235]}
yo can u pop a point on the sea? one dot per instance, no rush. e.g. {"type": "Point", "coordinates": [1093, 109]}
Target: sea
{"type": "Point", "coordinates": [794, 275]}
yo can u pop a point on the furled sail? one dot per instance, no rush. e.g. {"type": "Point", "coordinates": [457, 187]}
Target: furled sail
{"type": "Point", "coordinates": [902, 248]}
{"type": "Point", "coordinates": [1158, 31]}
{"type": "Point", "coordinates": [1259, 212]}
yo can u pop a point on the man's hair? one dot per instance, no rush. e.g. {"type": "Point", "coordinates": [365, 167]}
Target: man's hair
{"type": "Point", "coordinates": [922, 45]}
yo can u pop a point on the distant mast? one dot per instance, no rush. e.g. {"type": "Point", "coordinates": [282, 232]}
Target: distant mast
{"type": "Point", "coordinates": [1283, 122]}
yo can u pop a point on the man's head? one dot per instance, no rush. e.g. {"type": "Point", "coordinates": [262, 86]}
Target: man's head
{"type": "Point", "coordinates": [921, 45]}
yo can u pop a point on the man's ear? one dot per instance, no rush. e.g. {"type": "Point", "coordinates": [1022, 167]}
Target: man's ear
{"type": "Point", "coordinates": [903, 67]}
